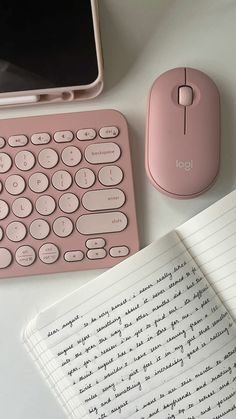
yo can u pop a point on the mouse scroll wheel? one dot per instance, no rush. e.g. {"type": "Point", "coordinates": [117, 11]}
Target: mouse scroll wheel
{"type": "Point", "coordinates": [185, 95]}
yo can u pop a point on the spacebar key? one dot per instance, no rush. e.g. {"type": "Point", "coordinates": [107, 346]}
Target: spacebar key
{"type": "Point", "coordinates": [106, 222]}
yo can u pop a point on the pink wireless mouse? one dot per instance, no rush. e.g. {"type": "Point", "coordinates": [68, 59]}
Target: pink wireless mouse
{"type": "Point", "coordinates": [183, 133]}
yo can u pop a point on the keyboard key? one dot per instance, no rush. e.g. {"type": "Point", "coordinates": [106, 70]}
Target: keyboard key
{"type": "Point", "coordinates": [119, 251]}
{"type": "Point", "coordinates": [5, 258]}
{"type": "Point", "coordinates": [45, 205]}
{"type": "Point", "coordinates": [95, 243]}
{"type": "Point", "coordinates": [22, 207]}
{"type": "Point", "coordinates": [86, 134]}
{"type": "Point", "coordinates": [15, 184]}
{"type": "Point", "coordinates": [68, 203]}
{"type": "Point", "coordinates": [38, 182]}
{"type": "Point", "coordinates": [96, 253]}
{"type": "Point", "coordinates": [108, 132]}
{"type": "Point", "coordinates": [63, 136]}
{"type": "Point", "coordinates": [5, 162]}
{"type": "Point", "coordinates": [39, 229]}
{"type": "Point", "coordinates": [24, 160]}
{"type": "Point", "coordinates": [4, 209]}
{"type": "Point", "coordinates": [103, 199]}
{"type": "Point", "coordinates": [107, 222]}
{"type": "Point", "coordinates": [40, 138]}
{"type": "Point", "coordinates": [48, 158]}
{"type": "Point", "coordinates": [74, 256]}
{"type": "Point", "coordinates": [102, 153]}
{"type": "Point", "coordinates": [85, 178]}
{"type": "Point", "coordinates": [25, 255]}
{"type": "Point", "coordinates": [17, 140]}
{"type": "Point", "coordinates": [16, 231]}
{"type": "Point", "coordinates": [110, 175]}
{"type": "Point", "coordinates": [2, 142]}
{"type": "Point", "coordinates": [71, 156]}
{"type": "Point", "coordinates": [61, 180]}
{"type": "Point", "coordinates": [48, 253]}
{"type": "Point", "coordinates": [1, 233]}
{"type": "Point", "coordinates": [63, 227]}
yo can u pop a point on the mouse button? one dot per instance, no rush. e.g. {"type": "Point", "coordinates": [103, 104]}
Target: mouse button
{"type": "Point", "coordinates": [185, 95]}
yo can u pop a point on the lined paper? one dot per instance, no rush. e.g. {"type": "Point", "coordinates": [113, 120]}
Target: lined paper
{"type": "Point", "coordinates": [149, 338]}
{"type": "Point", "coordinates": [210, 237]}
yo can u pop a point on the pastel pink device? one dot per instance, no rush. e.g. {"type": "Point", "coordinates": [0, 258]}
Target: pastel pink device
{"type": "Point", "coordinates": [183, 133]}
{"type": "Point", "coordinates": [66, 193]}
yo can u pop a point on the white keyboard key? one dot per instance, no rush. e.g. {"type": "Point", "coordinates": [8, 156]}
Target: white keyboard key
{"type": "Point", "coordinates": [39, 229]}
{"type": "Point", "coordinates": [38, 182]}
{"type": "Point", "coordinates": [71, 156]}
{"type": "Point", "coordinates": [17, 140]}
{"type": "Point", "coordinates": [74, 256]}
{"type": "Point", "coordinates": [68, 203]}
{"type": "Point", "coordinates": [22, 207]}
{"type": "Point", "coordinates": [1, 233]}
{"type": "Point", "coordinates": [85, 178]}
{"type": "Point", "coordinates": [48, 253]}
{"type": "Point", "coordinates": [45, 205]}
{"type": "Point", "coordinates": [40, 138]}
{"type": "Point", "coordinates": [5, 258]}
{"type": "Point", "coordinates": [63, 227]}
{"type": "Point", "coordinates": [110, 175]}
{"type": "Point", "coordinates": [24, 160]}
{"type": "Point", "coordinates": [107, 222]}
{"type": "Point", "coordinates": [102, 153]}
{"type": "Point", "coordinates": [2, 142]}
{"type": "Point", "coordinates": [5, 162]}
{"type": "Point", "coordinates": [103, 199]}
{"type": "Point", "coordinates": [96, 253]}
{"type": "Point", "coordinates": [108, 132]}
{"type": "Point", "coordinates": [25, 255]}
{"type": "Point", "coordinates": [48, 158]}
{"type": "Point", "coordinates": [119, 251]}
{"type": "Point", "coordinates": [95, 243]}
{"type": "Point", "coordinates": [4, 209]}
{"type": "Point", "coordinates": [86, 134]}
{"type": "Point", "coordinates": [63, 136]}
{"type": "Point", "coordinates": [61, 180]}
{"type": "Point", "coordinates": [16, 231]}
{"type": "Point", "coordinates": [15, 184]}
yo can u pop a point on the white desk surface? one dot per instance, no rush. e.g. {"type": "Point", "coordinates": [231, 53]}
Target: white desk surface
{"type": "Point", "coordinates": [141, 39]}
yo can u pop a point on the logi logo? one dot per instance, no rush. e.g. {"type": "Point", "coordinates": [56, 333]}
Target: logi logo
{"type": "Point", "coordinates": [186, 165]}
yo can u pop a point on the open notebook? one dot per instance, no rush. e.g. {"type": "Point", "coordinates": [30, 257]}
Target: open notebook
{"type": "Point", "coordinates": [150, 337]}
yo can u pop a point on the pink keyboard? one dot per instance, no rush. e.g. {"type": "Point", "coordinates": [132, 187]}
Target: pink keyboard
{"type": "Point", "coordinates": [66, 193]}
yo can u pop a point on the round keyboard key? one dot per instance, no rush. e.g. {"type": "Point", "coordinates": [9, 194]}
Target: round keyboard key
{"type": "Point", "coordinates": [61, 180]}
{"type": "Point", "coordinates": [40, 138]}
{"type": "Point", "coordinates": [15, 184]}
{"type": "Point", "coordinates": [48, 253]}
{"type": "Point", "coordinates": [84, 178]}
{"type": "Point", "coordinates": [38, 182]}
{"type": "Point", "coordinates": [74, 256]}
{"type": "Point", "coordinates": [102, 153]}
{"type": "Point", "coordinates": [2, 142]}
{"type": "Point", "coordinates": [39, 229]}
{"type": "Point", "coordinates": [68, 203]}
{"type": "Point", "coordinates": [63, 136]}
{"type": "Point", "coordinates": [17, 140]}
{"type": "Point", "coordinates": [108, 132]}
{"type": "Point", "coordinates": [25, 255]}
{"type": "Point", "coordinates": [1, 233]}
{"type": "Point", "coordinates": [5, 162]}
{"type": "Point", "coordinates": [24, 160]}
{"type": "Point", "coordinates": [48, 158]}
{"type": "Point", "coordinates": [45, 205]}
{"type": "Point", "coordinates": [71, 156]}
{"type": "Point", "coordinates": [119, 251]}
{"type": "Point", "coordinates": [86, 134]}
{"type": "Point", "coordinates": [22, 207]}
{"type": "Point", "coordinates": [103, 199]}
{"type": "Point", "coordinates": [95, 243]}
{"type": "Point", "coordinates": [5, 258]}
{"type": "Point", "coordinates": [63, 227]}
{"type": "Point", "coordinates": [105, 222]}
{"type": "Point", "coordinates": [16, 231]}
{"type": "Point", "coordinates": [96, 253]}
{"type": "Point", "coordinates": [110, 175]}
{"type": "Point", "coordinates": [4, 209]}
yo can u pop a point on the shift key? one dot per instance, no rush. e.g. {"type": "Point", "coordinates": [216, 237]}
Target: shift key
{"type": "Point", "coordinates": [107, 222]}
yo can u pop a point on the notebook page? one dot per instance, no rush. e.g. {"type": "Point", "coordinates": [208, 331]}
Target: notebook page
{"type": "Point", "coordinates": [211, 239]}
{"type": "Point", "coordinates": [147, 338]}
